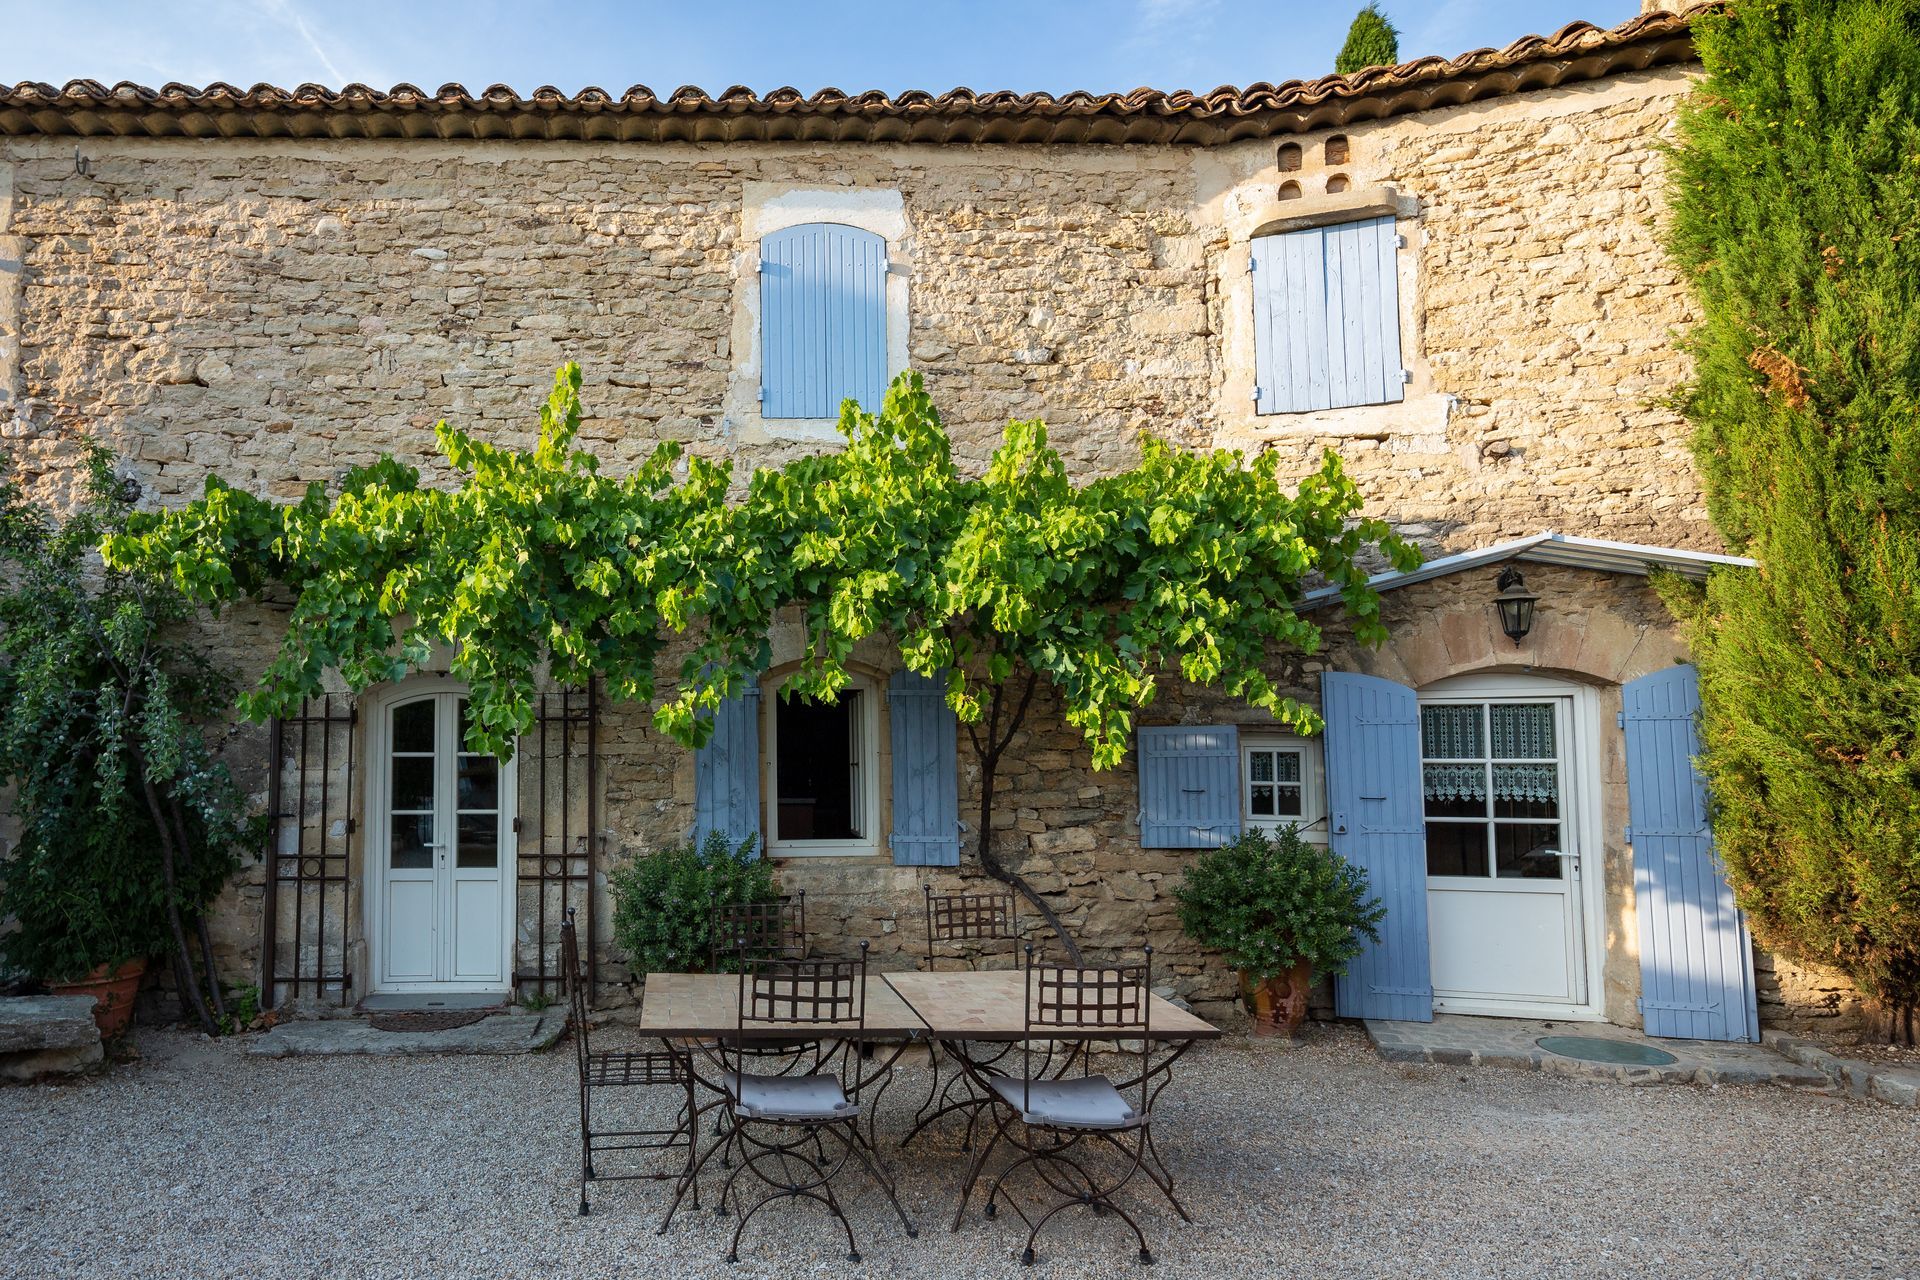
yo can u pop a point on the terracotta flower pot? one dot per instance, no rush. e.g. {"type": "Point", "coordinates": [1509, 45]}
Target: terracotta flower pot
{"type": "Point", "coordinates": [112, 993]}
{"type": "Point", "coordinates": [1278, 1005]}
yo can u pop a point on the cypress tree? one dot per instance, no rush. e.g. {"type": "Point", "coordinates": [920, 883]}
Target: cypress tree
{"type": "Point", "coordinates": [1795, 190]}
{"type": "Point", "coordinates": [1372, 41]}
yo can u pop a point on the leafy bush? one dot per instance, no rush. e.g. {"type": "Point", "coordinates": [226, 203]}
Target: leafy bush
{"type": "Point", "coordinates": [1267, 902]}
{"type": "Point", "coordinates": [129, 825]}
{"type": "Point", "coordinates": [1796, 219]}
{"type": "Point", "coordinates": [663, 902]}
{"type": "Point", "coordinates": [1372, 41]}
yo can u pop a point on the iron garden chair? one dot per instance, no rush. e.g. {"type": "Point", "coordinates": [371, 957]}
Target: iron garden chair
{"type": "Point", "coordinates": [1056, 1121]}
{"type": "Point", "coordinates": [963, 919]}
{"type": "Point", "coordinates": [740, 931]}
{"type": "Point", "coordinates": [620, 1069]}
{"type": "Point", "coordinates": [797, 1133]}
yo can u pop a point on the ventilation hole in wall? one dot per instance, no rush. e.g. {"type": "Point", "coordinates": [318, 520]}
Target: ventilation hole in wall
{"type": "Point", "coordinates": [1289, 157]}
{"type": "Point", "coordinates": [1289, 191]}
{"type": "Point", "coordinates": [1337, 149]}
{"type": "Point", "coordinates": [1337, 183]}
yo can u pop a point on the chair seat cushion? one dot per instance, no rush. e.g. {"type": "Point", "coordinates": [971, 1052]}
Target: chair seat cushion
{"type": "Point", "coordinates": [1081, 1102]}
{"type": "Point", "coordinates": [802, 1099]}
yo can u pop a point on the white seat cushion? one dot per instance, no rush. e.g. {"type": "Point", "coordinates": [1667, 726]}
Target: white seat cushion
{"type": "Point", "coordinates": [797, 1098]}
{"type": "Point", "coordinates": [1082, 1102]}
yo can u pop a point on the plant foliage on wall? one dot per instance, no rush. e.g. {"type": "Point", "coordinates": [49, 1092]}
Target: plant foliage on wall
{"type": "Point", "coordinates": [1188, 562]}
{"type": "Point", "coordinates": [1796, 217]}
{"type": "Point", "coordinates": [129, 824]}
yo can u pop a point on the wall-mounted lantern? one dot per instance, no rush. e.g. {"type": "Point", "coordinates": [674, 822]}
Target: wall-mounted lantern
{"type": "Point", "coordinates": [1515, 603]}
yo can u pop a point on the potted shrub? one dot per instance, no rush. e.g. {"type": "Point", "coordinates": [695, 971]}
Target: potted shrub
{"type": "Point", "coordinates": [1279, 909]}
{"type": "Point", "coordinates": [663, 901]}
{"type": "Point", "coordinates": [129, 825]}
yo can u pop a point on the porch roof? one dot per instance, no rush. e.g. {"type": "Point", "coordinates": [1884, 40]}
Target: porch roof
{"type": "Point", "coordinates": [1551, 548]}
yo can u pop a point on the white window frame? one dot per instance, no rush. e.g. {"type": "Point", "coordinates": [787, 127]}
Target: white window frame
{"type": "Point", "coordinates": [1313, 788]}
{"type": "Point", "coordinates": [866, 729]}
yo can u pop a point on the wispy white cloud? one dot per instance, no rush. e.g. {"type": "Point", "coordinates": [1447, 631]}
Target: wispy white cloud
{"type": "Point", "coordinates": [283, 12]}
{"type": "Point", "coordinates": [1169, 35]}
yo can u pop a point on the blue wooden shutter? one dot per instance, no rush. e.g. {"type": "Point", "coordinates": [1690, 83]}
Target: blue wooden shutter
{"type": "Point", "coordinates": [1696, 959]}
{"type": "Point", "coordinates": [926, 772]}
{"type": "Point", "coordinates": [823, 320]}
{"type": "Point", "coordinates": [726, 773]}
{"type": "Point", "coordinates": [1189, 786]}
{"type": "Point", "coordinates": [1376, 821]}
{"type": "Point", "coordinates": [1326, 317]}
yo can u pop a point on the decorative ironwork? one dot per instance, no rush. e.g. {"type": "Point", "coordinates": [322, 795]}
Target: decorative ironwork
{"type": "Point", "coordinates": [559, 837]}
{"type": "Point", "coordinates": [745, 931]}
{"type": "Point", "coordinates": [310, 789]}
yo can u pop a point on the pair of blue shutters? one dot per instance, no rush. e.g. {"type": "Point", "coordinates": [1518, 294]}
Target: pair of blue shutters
{"type": "Point", "coordinates": [823, 320]}
{"type": "Point", "coordinates": [1326, 317]}
{"type": "Point", "coordinates": [1696, 959]}
{"type": "Point", "coordinates": [926, 773]}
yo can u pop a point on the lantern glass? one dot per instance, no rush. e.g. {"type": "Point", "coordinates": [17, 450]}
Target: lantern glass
{"type": "Point", "coordinates": [1515, 603]}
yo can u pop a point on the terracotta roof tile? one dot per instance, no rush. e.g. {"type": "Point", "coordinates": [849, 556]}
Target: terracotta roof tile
{"type": "Point", "coordinates": [1575, 53]}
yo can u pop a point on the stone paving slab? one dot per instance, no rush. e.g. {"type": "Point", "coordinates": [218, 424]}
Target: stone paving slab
{"type": "Point", "coordinates": [502, 1033]}
{"type": "Point", "coordinates": [1881, 1081]}
{"type": "Point", "coordinates": [47, 1035]}
{"type": "Point", "coordinates": [1455, 1040]}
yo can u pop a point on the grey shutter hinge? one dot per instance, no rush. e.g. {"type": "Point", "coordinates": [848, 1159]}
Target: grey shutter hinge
{"type": "Point", "coordinates": [1626, 835]}
{"type": "Point", "coordinates": [1399, 242]}
{"type": "Point", "coordinates": [761, 395]}
{"type": "Point", "coordinates": [1256, 392]}
{"type": "Point", "coordinates": [1620, 719]}
{"type": "Point", "coordinates": [1406, 375]}
{"type": "Point", "coordinates": [758, 266]}
{"type": "Point", "coordinates": [1253, 264]}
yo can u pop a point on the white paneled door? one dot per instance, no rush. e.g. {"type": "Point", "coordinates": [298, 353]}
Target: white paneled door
{"type": "Point", "coordinates": [441, 836]}
{"type": "Point", "coordinates": [1508, 839]}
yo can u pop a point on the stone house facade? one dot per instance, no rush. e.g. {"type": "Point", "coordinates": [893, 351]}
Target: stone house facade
{"type": "Point", "coordinates": [275, 286]}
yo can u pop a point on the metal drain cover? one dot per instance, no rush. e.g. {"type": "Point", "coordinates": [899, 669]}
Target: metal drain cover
{"type": "Point", "coordinates": [1602, 1049]}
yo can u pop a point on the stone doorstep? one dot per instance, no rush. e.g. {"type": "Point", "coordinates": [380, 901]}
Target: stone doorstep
{"type": "Point", "coordinates": [1897, 1085]}
{"type": "Point", "coordinates": [47, 1035]}
{"type": "Point", "coordinates": [500, 1034]}
{"type": "Point", "coordinates": [1457, 1040]}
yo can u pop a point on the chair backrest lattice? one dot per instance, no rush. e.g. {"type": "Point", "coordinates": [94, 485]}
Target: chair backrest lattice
{"type": "Point", "coordinates": [964, 919]}
{"type": "Point", "coordinates": [746, 931]}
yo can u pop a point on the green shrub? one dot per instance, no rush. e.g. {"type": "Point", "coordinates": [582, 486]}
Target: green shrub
{"type": "Point", "coordinates": [663, 901]}
{"type": "Point", "coordinates": [1796, 219]}
{"type": "Point", "coordinates": [1372, 41]}
{"type": "Point", "coordinates": [1267, 902]}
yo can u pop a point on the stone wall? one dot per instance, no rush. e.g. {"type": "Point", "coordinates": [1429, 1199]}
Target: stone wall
{"type": "Point", "coordinates": [278, 311]}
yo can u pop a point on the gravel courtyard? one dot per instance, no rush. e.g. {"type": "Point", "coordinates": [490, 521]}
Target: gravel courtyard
{"type": "Point", "coordinates": [1318, 1161]}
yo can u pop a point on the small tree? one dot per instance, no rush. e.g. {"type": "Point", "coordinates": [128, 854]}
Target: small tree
{"type": "Point", "coordinates": [1188, 562]}
{"type": "Point", "coordinates": [129, 825]}
{"type": "Point", "coordinates": [1796, 218]}
{"type": "Point", "coordinates": [1372, 41]}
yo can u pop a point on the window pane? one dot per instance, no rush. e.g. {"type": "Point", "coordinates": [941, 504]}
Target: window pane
{"type": "Point", "coordinates": [412, 841]}
{"type": "Point", "coordinates": [1287, 802]}
{"type": "Point", "coordinates": [412, 782]}
{"type": "Point", "coordinates": [413, 726]}
{"type": "Point", "coordinates": [1455, 790]}
{"type": "Point", "coordinates": [814, 755]}
{"type": "Point", "coordinates": [478, 784]}
{"type": "Point", "coordinates": [1450, 733]}
{"type": "Point", "coordinates": [1522, 731]}
{"type": "Point", "coordinates": [1262, 802]}
{"type": "Point", "coordinates": [1456, 849]}
{"type": "Point", "coordinates": [1260, 766]}
{"type": "Point", "coordinates": [479, 840]}
{"type": "Point", "coordinates": [1286, 765]}
{"type": "Point", "coordinates": [1529, 850]}
{"type": "Point", "coordinates": [1526, 791]}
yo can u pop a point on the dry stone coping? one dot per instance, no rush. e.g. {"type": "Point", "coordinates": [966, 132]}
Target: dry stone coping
{"type": "Point", "coordinates": [503, 1033]}
{"type": "Point", "coordinates": [1457, 1040]}
{"type": "Point", "coordinates": [1884, 1082]}
{"type": "Point", "coordinates": [47, 1035]}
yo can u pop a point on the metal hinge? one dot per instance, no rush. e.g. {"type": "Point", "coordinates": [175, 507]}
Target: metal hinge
{"type": "Point", "coordinates": [1253, 264]}
{"type": "Point", "coordinates": [1401, 991]}
{"type": "Point", "coordinates": [1626, 835]}
{"type": "Point", "coordinates": [1620, 719]}
{"type": "Point", "coordinates": [516, 826]}
{"type": "Point", "coordinates": [1399, 242]}
{"type": "Point", "coordinates": [1256, 393]}
{"type": "Point", "coordinates": [758, 266]}
{"type": "Point", "coordinates": [1406, 375]}
{"type": "Point", "coordinates": [761, 395]}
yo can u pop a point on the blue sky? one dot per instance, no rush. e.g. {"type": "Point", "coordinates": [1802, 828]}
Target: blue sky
{"type": "Point", "coordinates": [983, 44]}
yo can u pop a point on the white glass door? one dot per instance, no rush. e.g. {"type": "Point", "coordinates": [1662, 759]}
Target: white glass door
{"type": "Point", "coordinates": [442, 837]}
{"type": "Point", "coordinates": [1504, 912]}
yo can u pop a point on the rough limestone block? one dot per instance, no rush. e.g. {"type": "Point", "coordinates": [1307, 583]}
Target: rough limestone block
{"type": "Point", "coordinates": [47, 1035]}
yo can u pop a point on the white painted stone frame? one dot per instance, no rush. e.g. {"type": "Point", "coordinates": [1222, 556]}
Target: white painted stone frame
{"type": "Point", "coordinates": [768, 207]}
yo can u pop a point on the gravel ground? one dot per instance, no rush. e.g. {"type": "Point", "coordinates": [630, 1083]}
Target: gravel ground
{"type": "Point", "coordinates": [1318, 1161]}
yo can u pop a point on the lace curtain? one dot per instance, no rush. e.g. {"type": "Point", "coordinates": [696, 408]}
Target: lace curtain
{"type": "Point", "coordinates": [1531, 783]}
{"type": "Point", "coordinates": [1522, 730]}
